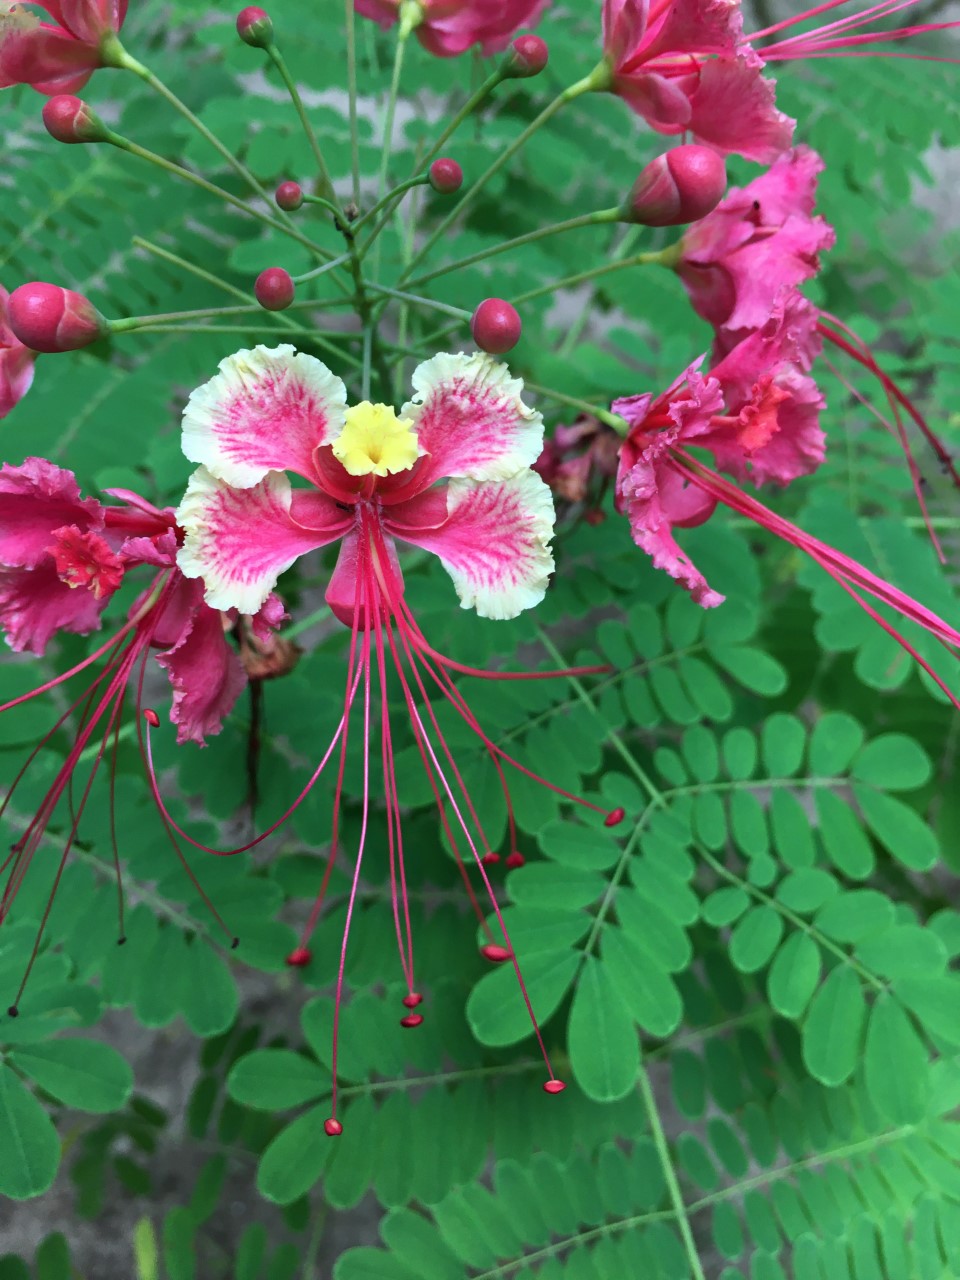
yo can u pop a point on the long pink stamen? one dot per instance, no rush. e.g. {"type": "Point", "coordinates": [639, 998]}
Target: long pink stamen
{"type": "Point", "coordinates": [365, 661]}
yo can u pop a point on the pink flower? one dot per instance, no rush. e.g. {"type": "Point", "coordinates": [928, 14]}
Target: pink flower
{"type": "Point", "coordinates": [772, 429]}
{"type": "Point", "coordinates": [759, 240]}
{"type": "Point", "coordinates": [58, 56]}
{"type": "Point", "coordinates": [662, 485]}
{"type": "Point", "coordinates": [450, 474]}
{"type": "Point", "coordinates": [450, 27]}
{"type": "Point", "coordinates": [16, 362]}
{"type": "Point", "coordinates": [683, 65]}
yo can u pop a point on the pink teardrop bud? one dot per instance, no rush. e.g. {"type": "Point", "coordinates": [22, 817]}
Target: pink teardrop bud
{"type": "Point", "coordinates": [332, 1128]}
{"type": "Point", "coordinates": [151, 717]}
{"type": "Point", "coordinates": [274, 289]}
{"type": "Point", "coordinates": [446, 176]}
{"type": "Point", "coordinates": [496, 326]}
{"type": "Point", "coordinates": [554, 1086]}
{"type": "Point", "coordinates": [515, 859]}
{"type": "Point", "coordinates": [254, 27]}
{"type": "Point", "coordinates": [289, 196]}
{"type": "Point", "coordinates": [412, 1000]}
{"type": "Point", "coordinates": [614, 817]}
{"type": "Point", "coordinates": [527, 57]}
{"type": "Point", "coordinates": [412, 1020]}
{"type": "Point", "coordinates": [299, 957]}
{"type": "Point", "coordinates": [495, 953]}
{"type": "Point", "coordinates": [49, 318]}
{"type": "Point", "coordinates": [681, 186]}
{"type": "Point", "coordinates": [69, 119]}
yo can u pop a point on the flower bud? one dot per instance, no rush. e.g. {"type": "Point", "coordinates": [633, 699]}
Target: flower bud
{"type": "Point", "coordinates": [69, 119]}
{"type": "Point", "coordinates": [48, 318]}
{"type": "Point", "coordinates": [496, 326]}
{"type": "Point", "coordinates": [274, 289]}
{"type": "Point", "coordinates": [446, 176]}
{"type": "Point", "coordinates": [289, 196]}
{"type": "Point", "coordinates": [254, 27]}
{"type": "Point", "coordinates": [527, 57]}
{"type": "Point", "coordinates": [681, 186]}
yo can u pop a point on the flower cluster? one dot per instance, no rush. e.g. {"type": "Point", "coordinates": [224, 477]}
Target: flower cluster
{"type": "Point", "coordinates": [288, 463]}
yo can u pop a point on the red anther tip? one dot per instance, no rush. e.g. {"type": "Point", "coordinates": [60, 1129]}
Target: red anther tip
{"type": "Point", "coordinates": [496, 326]}
{"type": "Point", "coordinates": [298, 957]}
{"type": "Point", "coordinates": [554, 1086]}
{"type": "Point", "coordinates": [151, 717]}
{"type": "Point", "coordinates": [413, 999]}
{"type": "Point", "coordinates": [490, 859]}
{"type": "Point", "coordinates": [614, 817]}
{"type": "Point", "coordinates": [495, 953]}
{"type": "Point", "coordinates": [332, 1128]}
{"type": "Point", "coordinates": [274, 289]}
{"type": "Point", "coordinates": [515, 859]}
{"type": "Point", "coordinates": [234, 944]}
{"type": "Point", "coordinates": [121, 942]}
{"type": "Point", "coordinates": [594, 517]}
{"type": "Point", "coordinates": [13, 1011]}
{"type": "Point", "coordinates": [411, 1020]}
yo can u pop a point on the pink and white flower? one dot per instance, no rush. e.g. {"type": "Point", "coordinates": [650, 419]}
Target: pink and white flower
{"type": "Point", "coordinates": [58, 56]}
{"type": "Point", "coordinates": [16, 362]}
{"type": "Point", "coordinates": [760, 240]}
{"type": "Point", "coordinates": [452, 474]}
{"type": "Point", "coordinates": [450, 27]}
{"type": "Point", "coordinates": [684, 66]}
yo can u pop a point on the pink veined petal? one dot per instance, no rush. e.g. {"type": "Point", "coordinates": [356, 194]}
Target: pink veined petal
{"type": "Point", "coordinates": [85, 562]}
{"type": "Point", "coordinates": [471, 421]}
{"type": "Point", "coordinates": [36, 603]}
{"type": "Point", "coordinates": [733, 109]}
{"type": "Point", "coordinates": [663, 102]}
{"type": "Point", "coordinates": [46, 57]}
{"type": "Point", "coordinates": [271, 616]}
{"type": "Point", "coordinates": [239, 541]}
{"type": "Point", "coordinates": [205, 673]}
{"type": "Point", "coordinates": [35, 499]}
{"type": "Point", "coordinates": [89, 20]}
{"type": "Point", "coordinates": [342, 594]}
{"type": "Point", "coordinates": [491, 24]}
{"type": "Point", "coordinates": [624, 26]}
{"type": "Point", "coordinates": [494, 543]}
{"type": "Point", "coordinates": [268, 409]}
{"type": "Point", "coordinates": [17, 365]}
{"type": "Point", "coordinates": [386, 12]}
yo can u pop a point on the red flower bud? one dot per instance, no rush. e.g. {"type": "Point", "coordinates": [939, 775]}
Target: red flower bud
{"type": "Point", "coordinates": [289, 196]}
{"type": "Point", "coordinates": [681, 186]}
{"type": "Point", "coordinates": [446, 176]}
{"type": "Point", "coordinates": [274, 289]}
{"type": "Point", "coordinates": [254, 27]}
{"type": "Point", "coordinates": [527, 57]}
{"type": "Point", "coordinates": [48, 318]}
{"type": "Point", "coordinates": [496, 326]}
{"type": "Point", "coordinates": [69, 119]}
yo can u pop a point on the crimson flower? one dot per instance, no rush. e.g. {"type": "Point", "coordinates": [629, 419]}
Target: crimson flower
{"type": "Point", "coordinates": [684, 66]}
{"type": "Point", "coordinates": [58, 56]}
{"type": "Point", "coordinates": [450, 27]}
{"type": "Point", "coordinates": [16, 362]}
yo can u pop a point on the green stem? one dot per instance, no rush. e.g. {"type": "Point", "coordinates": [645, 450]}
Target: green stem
{"type": "Point", "coordinates": [402, 296]}
{"type": "Point", "coordinates": [392, 198]}
{"type": "Point", "coordinates": [351, 24]}
{"type": "Point", "coordinates": [298, 628]}
{"type": "Point", "coordinates": [178, 171]}
{"type": "Point", "coordinates": [276, 57]}
{"type": "Point", "coordinates": [670, 1176]}
{"type": "Point", "coordinates": [600, 217]}
{"type": "Point", "coordinates": [571, 282]}
{"type": "Point", "coordinates": [587, 85]}
{"type": "Point", "coordinates": [468, 108]}
{"type": "Point", "coordinates": [604, 415]}
{"type": "Point", "coordinates": [391, 112]}
{"type": "Point", "coordinates": [343, 260]}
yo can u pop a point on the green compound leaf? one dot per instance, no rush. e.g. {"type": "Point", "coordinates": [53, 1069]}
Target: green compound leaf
{"type": "Point", "coordinates": [833, 1028]}
{"type": "Point", "coordinates": [83, 1074]}
{"type": "Point", "coordinates": [28, 1140]}
{"type": "Point", "coordinates": [276, 1079]}
{"type": "Point", "coordinates": [602, 1040]}
{"type": "Point", "coordinates": [895, 1066]}
{"type": "Point", "coordinates": [296, 1157]}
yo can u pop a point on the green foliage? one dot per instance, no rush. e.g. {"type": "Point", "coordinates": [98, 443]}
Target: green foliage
{"type": "Point", "coordinates": [749, 986]}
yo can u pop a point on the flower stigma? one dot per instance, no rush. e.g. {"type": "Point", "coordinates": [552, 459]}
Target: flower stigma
{"type": "Point", "coordinates": [374, 441]}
